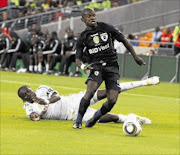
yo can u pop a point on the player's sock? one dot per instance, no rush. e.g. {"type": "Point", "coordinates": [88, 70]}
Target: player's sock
{"type": "Point", "coordinates": [30, 68]}
{"type": "Point", "coordinates": [39, 67]}
{"type": "Point", "coordinates": [131, 85]}
{"type": "Point", "coordinates": [35, 68]}
{"type": "Point", "coordinates": [98, 114]}
{"type": "Point", "coordinates": [82, 109]}
{"type": "Point", "coordinates": [122, 118]}
{"type": "Point", "coordinates": [47, 67]}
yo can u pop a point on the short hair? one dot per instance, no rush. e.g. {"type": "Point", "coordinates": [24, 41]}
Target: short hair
{"type": "Point", "coordinates": [21, 91]}
{"type": "Point", "coordinates": [85, 11]}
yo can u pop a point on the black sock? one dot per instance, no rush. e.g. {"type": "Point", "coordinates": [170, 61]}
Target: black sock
{"type": "Point", "coordinates": [84, 104]}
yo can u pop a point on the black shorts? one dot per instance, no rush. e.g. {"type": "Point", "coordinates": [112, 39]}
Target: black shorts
{"type": "Point", "coordinates": [108, 74]}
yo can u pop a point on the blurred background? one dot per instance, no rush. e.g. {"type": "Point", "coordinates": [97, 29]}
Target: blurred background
{"type": "Point", "coordinates": [152, 27]}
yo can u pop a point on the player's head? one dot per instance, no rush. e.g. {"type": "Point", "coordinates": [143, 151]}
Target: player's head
{"type": "Point", "coordinates": [26, 94]}
{"type": "Point", "coordinates": [89, 17]}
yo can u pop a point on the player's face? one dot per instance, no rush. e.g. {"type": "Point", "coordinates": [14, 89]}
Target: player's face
{"type": "Point", "coordinates": [89, 19]}
{"type": "Point", "coordinates": [28, 96]}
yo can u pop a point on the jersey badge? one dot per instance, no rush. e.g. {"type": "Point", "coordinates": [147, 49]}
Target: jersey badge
{"type": "Point", "coordinates": [96, 73]}
{"type": "Point", "coordinates": [104, 36]}
{"type": "Point", "coordinates": [96, 39]}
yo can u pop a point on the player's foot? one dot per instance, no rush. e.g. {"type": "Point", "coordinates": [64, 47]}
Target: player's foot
{"type": "Point", "coordinates": [142, 120]}
{"type": "Point", "coordinates": [77, 125]}
{"type": "Point", "coordinates": [152, 81]}
{"type": "Point", "coordinates": [90, 123]}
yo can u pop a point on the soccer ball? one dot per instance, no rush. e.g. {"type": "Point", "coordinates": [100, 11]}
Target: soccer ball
{"type": "Point", "coordinates": [132, 127]}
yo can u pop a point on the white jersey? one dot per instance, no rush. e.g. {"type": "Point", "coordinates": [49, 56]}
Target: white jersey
{"type": "Point", "coordinates": [64, 109]}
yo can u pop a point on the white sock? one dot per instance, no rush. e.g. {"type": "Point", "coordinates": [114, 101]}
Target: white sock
{"type": "Point", "coordinates": [130, 85]}
{"type": "Point", "coordinates": [35, 68]}
{"type": "Point", "coordinates": [31, 68]}
{"type": "Point", "coordinates": [47, 67]}
{"type": "Point", "coordinates": [122, 118]}
{"type": "Point", "coordinates": [39, 67]}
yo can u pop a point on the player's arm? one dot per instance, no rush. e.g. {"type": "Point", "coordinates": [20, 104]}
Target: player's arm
{"type": "Point", "coordinates": [54, 98]}
{"type": "Point", "coordinates": [130, 48]}
{"type": "Point", "coordinates": [79, 53]}
{"type": "Point", "coordinates": [121, 38]}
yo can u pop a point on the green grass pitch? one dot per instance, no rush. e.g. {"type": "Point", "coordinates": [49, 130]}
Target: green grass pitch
{"type": "Point", "coordinates": [19, 135]}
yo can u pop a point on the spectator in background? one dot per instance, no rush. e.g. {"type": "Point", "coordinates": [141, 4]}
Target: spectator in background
{"type": "Point", "coordinates": [166, 38]}
{"type": "Point", "coordinates": [69, 51]}
{"type": "Point", "coordinates": [156, 36]}
{"type": "Point", "coordinates": [3, 3]}
{"type": "Point", "coordinates": [28, 36]}
{"type": "Point", "coordinates": [17, 48]}
{"type": "Point", "coordinates": [133, 39]}
{"type": "Point", "coordinates": [115, 3]}
{"type": "Point", "coordinates": [106, 4]}
{"type": "Point", "coordinates": [45, 5]}
{"type": "Point", "coordinates": [19, 23]}
{"type": "Point", "coordinates": [176, 39]}
{"type": "Point", "coordinates": [47, 54]}
{"type": "Point", "coordinates": [4, 46]}
{"type": "Point", "coordinates": [37, 44]}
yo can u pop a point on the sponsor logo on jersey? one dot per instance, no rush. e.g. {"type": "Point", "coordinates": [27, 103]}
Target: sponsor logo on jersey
{"type": "Point", "coordinates": [98, 49]}
{"type": "Point", "coordinates": [104, 36]}
{"type": "Point", "coordinates": [96, 39]}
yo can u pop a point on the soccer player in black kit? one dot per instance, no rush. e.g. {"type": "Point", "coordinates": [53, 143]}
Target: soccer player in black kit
{"type": "Point", "coordinates": [98, 39]}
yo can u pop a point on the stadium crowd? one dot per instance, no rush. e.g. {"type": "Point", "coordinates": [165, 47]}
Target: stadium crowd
{"type": "Point", "coordinates": [13, 13]}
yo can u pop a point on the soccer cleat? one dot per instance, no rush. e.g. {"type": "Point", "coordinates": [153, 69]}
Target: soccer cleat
{"type": "Point", "coordinates": [152, 81]}
{"type": "Point", "coordinates": [142, 120]}
{"type": "Point", "coordinates": [77, 125]}
{"type": "Point", "coordinates": [90, 123]}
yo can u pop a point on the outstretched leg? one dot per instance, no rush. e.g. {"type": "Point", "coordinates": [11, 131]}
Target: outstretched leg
{"type": "Point", "coordinates": [101, 94]}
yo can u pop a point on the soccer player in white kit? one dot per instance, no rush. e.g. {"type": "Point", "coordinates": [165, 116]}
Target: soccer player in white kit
{"type": "Point", "coordinates": [46, 103]}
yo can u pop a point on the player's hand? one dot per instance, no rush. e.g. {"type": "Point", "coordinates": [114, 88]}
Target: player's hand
{"type": "Point", "coordinates": [139, 61]}
{"type": "Point", "coordinates": [39, 100]}
{"type": "Point", "coordinates": [86, 68]}
{"type": "Point", "coordinates": [34, 116]}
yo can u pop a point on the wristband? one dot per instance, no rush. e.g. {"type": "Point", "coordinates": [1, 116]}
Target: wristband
{"type": "Point", "coordinates": [47, 101]}
{"type": "Point", "coordinates": [83, 66]}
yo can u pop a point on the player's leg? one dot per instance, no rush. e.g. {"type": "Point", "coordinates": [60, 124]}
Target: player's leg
{"type": "Point", "coordinates": [116, 118]}
{"type": "Point", "coordinates": [111, 77]}
{"type": "Point", "coordinates": [85, 102]}
{"type": "Point", "coordinates": [130, 85]}
{"type": "Point", "coordinates": [119, 118]}
{"type": "Point", "coordinates": [101, 94]}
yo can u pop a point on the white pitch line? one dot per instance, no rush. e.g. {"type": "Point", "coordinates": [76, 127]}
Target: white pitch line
{"type": "Point", "coordinates": [26, 83]}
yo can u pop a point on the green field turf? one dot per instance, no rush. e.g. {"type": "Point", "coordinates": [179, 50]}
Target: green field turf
{"type": "Point", "coordinates": [19, 135]}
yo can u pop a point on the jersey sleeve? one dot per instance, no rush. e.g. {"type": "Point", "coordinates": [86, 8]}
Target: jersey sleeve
{"type": "Point", "coordinates": [116, 34]}
{"type": "Point", "coordinates": [37, 108]}
{"type": "Point", "coordinates": [45, 92]}
{"type": "Point", "coordinates": [79, 48]}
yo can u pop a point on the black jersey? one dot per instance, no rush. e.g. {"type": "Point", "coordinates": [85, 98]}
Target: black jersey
{"type": "Point", "coordinates": [69, 44]}
{"type": "Point", "coordinates": [99, 43]}
{"type": "Point", "coordinates": [17, 46]}
{"type": "Point", "coordinates": [4, 44]}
